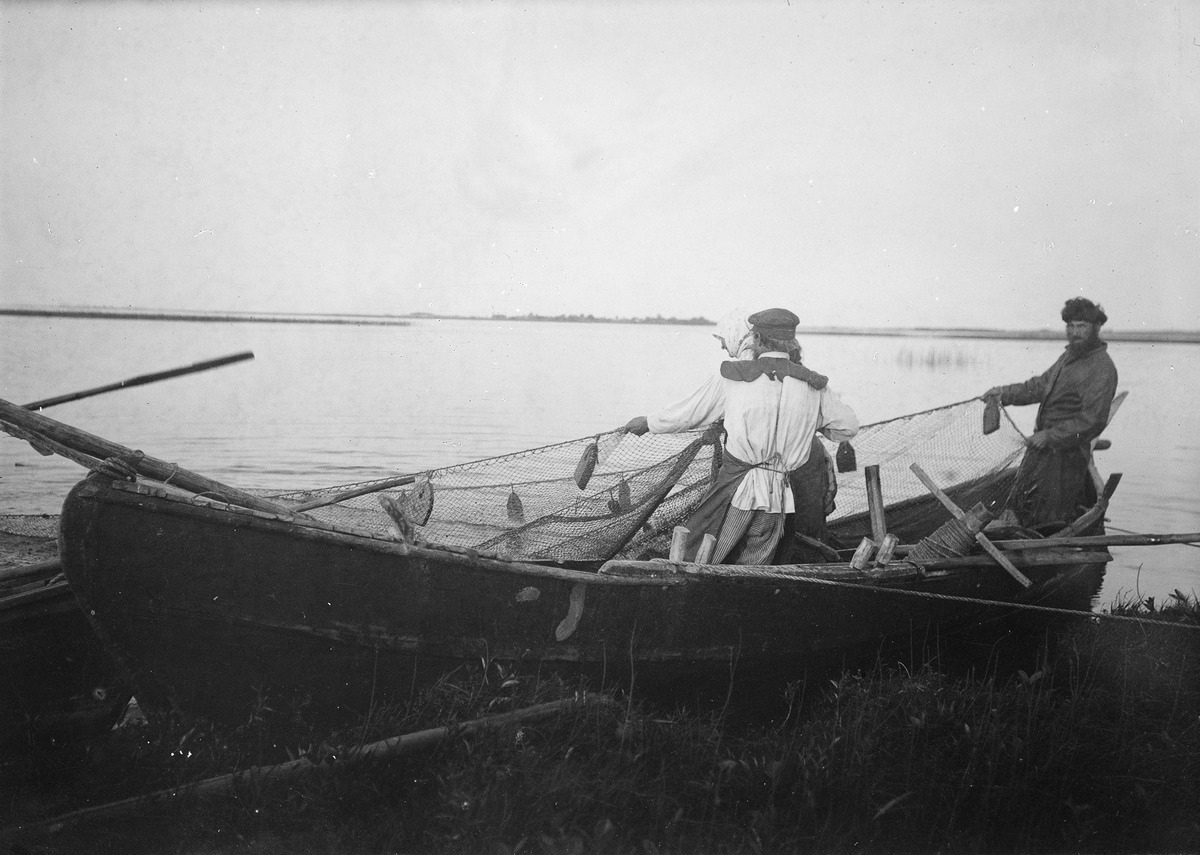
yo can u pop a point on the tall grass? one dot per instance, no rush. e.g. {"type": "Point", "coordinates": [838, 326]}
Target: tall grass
{"type": "Point", "coordinates": [1095, 750]}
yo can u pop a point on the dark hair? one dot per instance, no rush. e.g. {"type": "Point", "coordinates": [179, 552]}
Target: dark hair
{"type": "Point", "coordinates": [1083, 309]}
{"type": "Point", "coordinates": [762, 344]}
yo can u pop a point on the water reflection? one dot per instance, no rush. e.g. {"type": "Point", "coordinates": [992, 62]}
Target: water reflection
{"type": "Point", "coordinates": [937, 358]}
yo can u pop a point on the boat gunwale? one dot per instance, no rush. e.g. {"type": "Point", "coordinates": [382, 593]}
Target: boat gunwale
{"type": "Point", "coordinates": [655, 573]}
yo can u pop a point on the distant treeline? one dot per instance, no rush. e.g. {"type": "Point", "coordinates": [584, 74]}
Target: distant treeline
{"type": "Point", "coordinates": [1151, 336]}
{"type": "Point", "coordinates": [575, 319]}
{"type": "Point", "coordinates": [205, 317]}
{"type": "Point", "coordinates": [104, 313]}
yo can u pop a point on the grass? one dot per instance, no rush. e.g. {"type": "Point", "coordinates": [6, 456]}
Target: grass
{"type": "Point", "coordinates": [1097, 749]}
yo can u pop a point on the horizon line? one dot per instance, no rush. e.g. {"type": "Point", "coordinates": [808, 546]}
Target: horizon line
{"type": "Point", "coordinates": [379, 319]}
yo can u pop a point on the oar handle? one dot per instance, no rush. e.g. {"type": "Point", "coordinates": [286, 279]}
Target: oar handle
{"type": "Point", "coordinates": [141, 380]}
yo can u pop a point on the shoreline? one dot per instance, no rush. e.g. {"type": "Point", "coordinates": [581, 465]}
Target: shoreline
{"type": "Point", "coordinates": [1134, 336]}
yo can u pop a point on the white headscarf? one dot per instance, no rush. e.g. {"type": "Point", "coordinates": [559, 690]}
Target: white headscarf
{"type": "Point", "coordinates": [733, 332]}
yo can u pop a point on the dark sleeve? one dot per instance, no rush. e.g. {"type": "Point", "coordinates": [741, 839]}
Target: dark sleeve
{"type": "Point", "coordinates": [1095, 399]}
{"type": "Point", "coordinates": [1032, 391]}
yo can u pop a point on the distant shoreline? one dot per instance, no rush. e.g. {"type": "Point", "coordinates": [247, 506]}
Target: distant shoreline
{"type": "Point", "coordinates": [1150, 336]}
{"type": "Point", "coordinates": [206, 317]}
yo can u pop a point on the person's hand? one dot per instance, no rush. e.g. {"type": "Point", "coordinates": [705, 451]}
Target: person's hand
{"type": "Point", "coordinates": [994, 392]}
{"type": "Point", "coordinates": [637, 426]}
{"type": "Point", "coordinates": [1038, 440]}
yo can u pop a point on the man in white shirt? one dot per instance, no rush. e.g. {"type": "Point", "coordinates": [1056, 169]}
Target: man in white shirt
{"type": "Point", "coordinates": [772, 408]}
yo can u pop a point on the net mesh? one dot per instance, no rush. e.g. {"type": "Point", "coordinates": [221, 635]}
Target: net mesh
{"type": "Point", "coordinates": [616, 495]}
{"type": "Point", "coordinates": [43, 526]}
{"type": "Point", "coordinates": [538, 504]}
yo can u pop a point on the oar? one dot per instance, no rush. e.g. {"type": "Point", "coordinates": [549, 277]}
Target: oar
{"type": "Point", "coordinates": [41, 568]}
{"type": "Point", "coordinates": [980, 537]}
{"type": "Point", "coordinates": [219, 785]}
{"type": "Point", "coordinates": [1132, 539]}
{"type": "Point", "coordinates": [1195, 544]}
{"type": "Point", "coordinates": [141, 380]}
{"type": "Point", "coordinates": [77, 442]}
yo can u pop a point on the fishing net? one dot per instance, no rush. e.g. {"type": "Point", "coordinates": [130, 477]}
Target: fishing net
{"type": "Point", "coordinates": [42, 526]}
{"type": "Point", "coordinates": [619, 495]}
{"type": "Point", "coordinates": [584, 499]}
{"type": "Point", "coordinates": [616, 495]}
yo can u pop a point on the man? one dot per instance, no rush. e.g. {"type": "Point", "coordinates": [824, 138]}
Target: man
{"type": "Point", "coordinates": [772, 408]}
{"type": "Point", "coordinates": [1075, 393]}
{"type": "Point", "coordinates": [814, 484]}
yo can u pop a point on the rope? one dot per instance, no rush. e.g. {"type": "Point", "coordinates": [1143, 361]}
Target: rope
{"type": "Point", "coordinates": [973, 600]}
{"type": "Point", "coordinates": [471, 466]}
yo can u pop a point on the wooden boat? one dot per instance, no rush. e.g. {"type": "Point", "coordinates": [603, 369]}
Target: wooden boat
{"type": "Point", "coordinates": [58, 682]}
{"type": "Point", "coordinates": [216, 609]}
{"type": "Point", "coordinates": [220, 602]}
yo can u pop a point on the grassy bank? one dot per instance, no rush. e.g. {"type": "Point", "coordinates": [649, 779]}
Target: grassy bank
{"type": "Point", "coordinates": [1095, 750]}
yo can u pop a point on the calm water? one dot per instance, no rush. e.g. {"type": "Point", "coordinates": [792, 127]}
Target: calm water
{"type": "Point", "coordinates": [323, 405]}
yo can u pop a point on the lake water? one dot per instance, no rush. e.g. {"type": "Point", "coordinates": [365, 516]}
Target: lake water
{"type": "Point", "coordinates": [322, 405]}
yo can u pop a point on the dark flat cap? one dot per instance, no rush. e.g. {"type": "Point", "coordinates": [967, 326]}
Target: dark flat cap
{"type": "Point", "coordinates": [774, 323]}
{"type": "Point", "coordinates": [1083, 309]}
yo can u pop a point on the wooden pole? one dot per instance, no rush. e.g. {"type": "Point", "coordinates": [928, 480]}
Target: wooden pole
{"type": "Point", "coordinates": [41, 568]}
{"type": "Point", "coordinates": [333, 499]}
{"type": "Point", "coordinates": [85, 443]}
{"type": "Point", "coordinates": [141, 380]}
{"type": "Point", "coordinates": [862, 555]}
{"type": "Point", "coordinates": [875, 503]}
{"type": "Point", "coordinates": [678, 542]}
{"type": "Point", "coordinates": [937, 492]}
{"type": "Point", "coordinates": [222, 784]}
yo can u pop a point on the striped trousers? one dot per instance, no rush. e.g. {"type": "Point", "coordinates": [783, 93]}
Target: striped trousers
{"type": "Point", "coordinates": [757, 534]}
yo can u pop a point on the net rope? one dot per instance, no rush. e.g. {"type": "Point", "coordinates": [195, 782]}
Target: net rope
{"type": "Point", "coordinates": [531, 505]}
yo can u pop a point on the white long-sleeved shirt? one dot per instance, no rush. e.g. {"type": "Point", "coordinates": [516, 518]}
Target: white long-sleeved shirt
{"type": "Point", "coordinates": [767, 422]}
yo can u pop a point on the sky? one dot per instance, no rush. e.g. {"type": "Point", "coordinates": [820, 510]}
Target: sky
{"type": "Point", "coordinates": [933, 164]}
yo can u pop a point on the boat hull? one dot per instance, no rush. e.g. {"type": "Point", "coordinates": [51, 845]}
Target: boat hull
{"type": "Point", "coordinates": [224, 613]}
{"type": "Point", "coordinates": [58, 682]}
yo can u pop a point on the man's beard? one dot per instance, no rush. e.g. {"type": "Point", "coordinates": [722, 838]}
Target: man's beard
{"type": "Point", "coordinates": [1084, 344]}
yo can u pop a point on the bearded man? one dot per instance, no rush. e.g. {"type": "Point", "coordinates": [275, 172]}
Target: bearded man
{"type": "Point", "coordinates": [772, 407]}
{"type": "Point", "coordinates": [1075, 393]}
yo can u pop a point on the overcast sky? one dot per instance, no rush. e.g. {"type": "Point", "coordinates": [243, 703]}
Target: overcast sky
{"type": "Point", "coordinates": [881, 163]}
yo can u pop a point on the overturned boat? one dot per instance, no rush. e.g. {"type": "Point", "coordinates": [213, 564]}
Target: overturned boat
{"type": "Point", "coordinates": [553, 560]}
{"type": "Point", "coordinates": [58, 683]}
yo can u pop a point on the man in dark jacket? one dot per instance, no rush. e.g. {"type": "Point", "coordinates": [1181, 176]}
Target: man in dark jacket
{"type": "Point", "coordinates": [1075, 393]}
